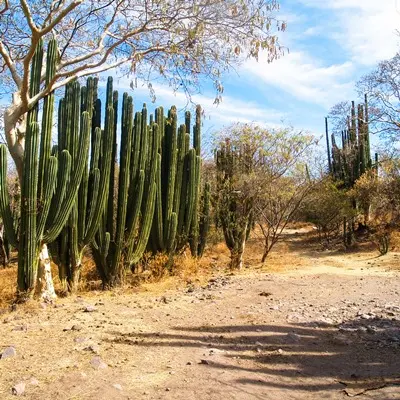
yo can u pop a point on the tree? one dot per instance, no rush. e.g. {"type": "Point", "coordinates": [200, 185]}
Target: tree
{"type": "Point", "coordinates": [177, 40]}
{"type": "Point", "coordinates": [250, 160]}
{"type": "Point", "coordinates": [383, 89]}
{"type": "Point", "coordinates": [327, 207]}
{"type": "Point", "coordinates": [277, 205]}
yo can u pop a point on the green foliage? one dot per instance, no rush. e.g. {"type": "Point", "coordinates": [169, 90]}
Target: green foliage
{"type": "Point", "coordinates": [327, 207]}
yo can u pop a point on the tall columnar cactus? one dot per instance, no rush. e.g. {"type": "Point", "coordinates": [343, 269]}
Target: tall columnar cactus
{"type": "Point", "coordinates": [350, 161]}
{"type": "Point", "coordinates": [176, 220]}
{"type": "Point", "coordinates": [233, 207]}
{"type": "Point", "coordinates": [67, 250]}
{"type": "Point", "coordinates": [122, 244]}
{"type": "Point", "coordinates": [45, 180]}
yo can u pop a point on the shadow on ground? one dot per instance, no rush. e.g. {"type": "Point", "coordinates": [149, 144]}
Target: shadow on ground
{"type": "Point", "coordinates": [363, 354]}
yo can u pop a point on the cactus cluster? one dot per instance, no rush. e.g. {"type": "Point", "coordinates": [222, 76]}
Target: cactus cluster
{"type": "Point", "coordinates": [76, 195]}
{"type": "Point", "coordinates": [353, 159]}
{"type": "Point", "coordinates": [234, 209]}
{"type": "Point", "coordinates": [126, 222]}
{"type": "Point", "coordinates": [50, 182]}
{"type": "Point", "coordinates": [176, 220]}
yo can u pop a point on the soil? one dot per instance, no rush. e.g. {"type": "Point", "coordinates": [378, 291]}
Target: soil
{"type": "Point", "coordinates": [310, 324]}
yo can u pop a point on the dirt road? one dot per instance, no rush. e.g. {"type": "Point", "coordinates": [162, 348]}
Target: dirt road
{"type": "Point", "coordinates": [327, 330]}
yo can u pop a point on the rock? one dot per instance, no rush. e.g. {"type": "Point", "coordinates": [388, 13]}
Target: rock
{"type": "Point", "coordinates": [189, 363]}
{"type": "Point", "coordinates": [18, 389]}
{"type": "Point", "coordinates": [76, 327]}
{"type": "Point", "coordinates": [80, 339]}
{"type": "Point", "coordinates": [20, 328]}
{"type": "Point", "coordinates": [8, 352]}
{"type": "Point", "coordinates": [117, 386]}
{"type": "Point", "coordinates": [34, 382]}
{"type": "Point", "coordinates": [190, 289]}
{"type": "Point", "coordinates": [265, 294]}
{"type": "Point", "coordinates": [98, 363]}
{"type": "Point", "coordinates": [90, 308]}
{"type": "Point", "coordinates": [205, 362]}
{"type": "Point", "coordinates": [293, 338]}
{"type": "Point", "coordinates": [325, 322]}
{"type": "Point", "coordinates": [94, 348]}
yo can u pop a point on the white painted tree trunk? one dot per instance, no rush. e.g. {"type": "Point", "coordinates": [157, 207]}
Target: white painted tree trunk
{"type": "Point", "coordinates": [14, 129]}
{"type": "Point", "coordinates": [44, 286]}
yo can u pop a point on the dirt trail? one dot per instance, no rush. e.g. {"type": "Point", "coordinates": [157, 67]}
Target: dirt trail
{"type": "Point", "coordinates": [327, 326]}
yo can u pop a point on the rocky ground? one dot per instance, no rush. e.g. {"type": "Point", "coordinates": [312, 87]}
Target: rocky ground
{"type": "Point", "coordinates": [327, 329]}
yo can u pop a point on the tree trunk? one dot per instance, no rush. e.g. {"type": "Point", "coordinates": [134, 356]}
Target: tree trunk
{"type": "Point", "coordinates": [44, 286]}
{"type": "Point", "coordinates": [265, 254]}
{"type": "Point", "coordinates": [266, 250]}
{"type": "Point", "coordinates": [14, 129]}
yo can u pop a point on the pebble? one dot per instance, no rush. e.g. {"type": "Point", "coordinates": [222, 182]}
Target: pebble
{"type": "Point", "coordinates": [117, 386]}
{"type": "Point", "coordinates": [8, 352]}
{"type": "Point", "coordinates": [18, 389]}
{"type": "Point", "coordinates": [98, 363]}
{"type": "Point", "coordinates": [90, 309]}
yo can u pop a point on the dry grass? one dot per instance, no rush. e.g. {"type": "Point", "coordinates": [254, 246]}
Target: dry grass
{"type": "Point", "coordinates": [8, 278]}
{"type": "Point", "coordinates": [160, 273]}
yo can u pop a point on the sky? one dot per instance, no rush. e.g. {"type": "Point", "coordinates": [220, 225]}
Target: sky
{"type": "Point", "coordinates": [331, 44]}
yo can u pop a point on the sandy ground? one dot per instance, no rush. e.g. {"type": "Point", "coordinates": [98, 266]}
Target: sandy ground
{"type": "Point", "coordinates": [327, 326]}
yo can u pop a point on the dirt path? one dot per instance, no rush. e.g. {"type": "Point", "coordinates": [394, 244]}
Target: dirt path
{"type": "Point", "coordinates": [312, 333]}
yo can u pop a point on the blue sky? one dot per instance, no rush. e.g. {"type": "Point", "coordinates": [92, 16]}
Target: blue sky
{"type": "Point", "coordinates": [332, 43]}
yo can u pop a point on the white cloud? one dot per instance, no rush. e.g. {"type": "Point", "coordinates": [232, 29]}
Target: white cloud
{"type": "Point", "coordinates": [228, 111]}
{"type": "Point", "coordinates": [366, 29]}
{"type": "Point", "coordinates": [305, 77]}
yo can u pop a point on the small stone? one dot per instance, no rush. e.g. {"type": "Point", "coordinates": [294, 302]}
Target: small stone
{"type": "Point", "coordinates": [80, 339]}
{"type": "Point", "coordinates": [20, 328]}
{"type": "Point", "coordinates": [8, 352]}
{"type": "Point", "coordinates": [190, 289]}
{"type": "Point", "coordinates": [189, 363]}
{"type": "Point", "coordinates": [43, 306]}
{"type": "Point", "coordinates": [77, 327]}
{"type": "Point", "coordinates": [18, 389]}
{"type": "Point", "coordinates": [167, 389]}
{"type": "Point", "coordinates": [117, 386]}
{"type": "Point", "coordinates": [98, 363]}
{"type": "Point", "coordinates": [90, 308]}
{"type": "Point", "coordinates": [293, 337]}
{"type": "Point", "coordinates": [265, 294]}
{"type": "Point", "coordinates": [205, 362]}
{"type": "Point", "coordinates": [280, 351]}
{"type": "Point", "coordinates": [34, 382]}
{"type": "Point", "coordinates": [94, 348]}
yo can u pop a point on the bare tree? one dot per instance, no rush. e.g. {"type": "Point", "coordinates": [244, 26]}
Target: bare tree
{"type": "Point", "coordinates": [277, 205]}
{"type": "Point", "coordinates": [383, 89]}
{"type": "Point", "coordinates": [178, 40]}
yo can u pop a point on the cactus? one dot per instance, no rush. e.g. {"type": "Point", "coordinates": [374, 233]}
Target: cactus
{"type": "Point", "coordinates": [353, 159]}
{"type": "Point", "coordinates": [205, 220]}
{"type": "Point", "coordinates": [114, 250]}
{"type": "Point", "coordinates": [42, 218]}
{"type": "Point", "coordinates": [176, 220]}
{"type": "Point", "coordinates": [68, 249]}
{"type": "Point", "coordinates": [234, 209]}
